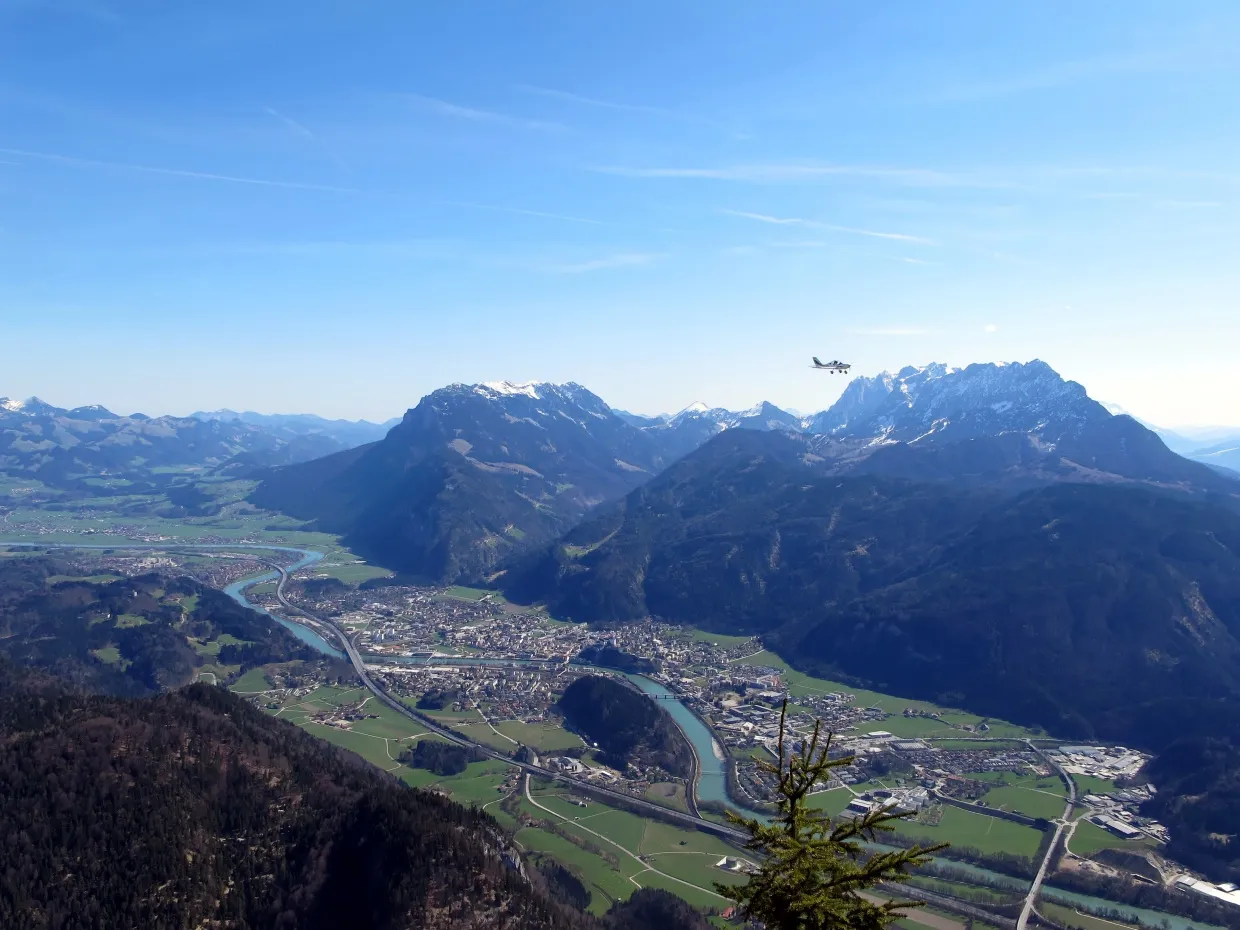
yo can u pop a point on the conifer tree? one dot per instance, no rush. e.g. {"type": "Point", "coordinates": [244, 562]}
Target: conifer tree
{"type": "Point", "coordinates": [812, 870]}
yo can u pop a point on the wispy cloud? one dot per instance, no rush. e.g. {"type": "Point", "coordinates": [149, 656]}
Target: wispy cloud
{"type": "Point", "coordinates": [71, 161]}
{"type": "Point", "coordinates": [990, 328]}
{"type": "Point", "coordinates": [496, 208]}
{"type": "Point", "coordinates": [291, 123]}
{"type": "Point", "coordinates": [815, 224]}
{"type": "Point", "coordinates": [914, 261]}
{"type": "Point", "coordinates": [473, 115]}
{"type": "Point", "coordinates": [774, 220]}
{"type": "Point", "coordinates": [300, 130]}
{"type": "Point", "coordinates": [75, 162]}
{"type": "Point", "coordinates": [596, 102]}
{"type": "Point", "coordinates": [1058, 75]}
{"type": "Point", "coordinates": [785, 172]}
{"type": "Point", "coordinates": [890, 331]}
{"type": "Point", "coordinates": [623, 260]}
{"type": "Point", "coordinates": [646, 109]}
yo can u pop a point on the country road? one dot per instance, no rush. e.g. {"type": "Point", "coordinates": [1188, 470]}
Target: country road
{"type": "Point", "coordinates": [628, 852]}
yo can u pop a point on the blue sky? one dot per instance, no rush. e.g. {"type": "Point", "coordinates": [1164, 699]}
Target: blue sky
{"type": "Point", "coordinates": [336, 207]}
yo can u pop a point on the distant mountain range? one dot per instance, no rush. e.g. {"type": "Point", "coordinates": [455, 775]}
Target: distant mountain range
{"type": "Point", "coordinates": [347, 433]}
{"type": "Point", "coordinates": [65, 448]}
{"type": "Point", "coordinates": [478, 473]}
{"type": "Point", "coordinates": [1216, 446]}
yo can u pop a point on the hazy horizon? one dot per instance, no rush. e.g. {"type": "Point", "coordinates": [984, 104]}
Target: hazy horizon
{"type": "Point", "coordinates": [1191, 426]}
{"type": "Point", "coordinates": [341, 208]}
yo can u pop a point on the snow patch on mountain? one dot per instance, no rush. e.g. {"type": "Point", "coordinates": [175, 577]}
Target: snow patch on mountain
{"type": "Point", "coordinates": [508, 388]}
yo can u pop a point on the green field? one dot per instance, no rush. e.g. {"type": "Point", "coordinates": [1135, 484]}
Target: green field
{"type": "Point", "coordinates": [722, 640]}
{"type": "Point", "coordinates": [686, 857]}
{"type": "Point", "coordinates": [668, 794]}
{"type": "Point", "coordinates": [605, 884]}
{"type": "Point", "coordinates": [1031, 801]}
{"type": "Point", "coordinates": [477, 785]}
{"type": "Point", "coordinates": [212, 648]}
{"type": "Point", "coordinates": [350, 572]}
{"type": "Point", "coordinates": [467, 594]}
{"type": "Point", "coordinates": [89, 579]}
{"type": "Point", "coordinates": [253, 680]}
{"type": "Point", "coordinates": [831, 802]}
{"type": "Point", "coordinates": [109, 654]}
{"type": "Point", "coordinates": [1089, 838]}
{"type": "Point", "coordinates": [799, 685]}
{"type": "Point", "coordinates": [987, 834]}
{"type": "Point", "coordinates": [1091, 784]}
{"type": "Point", "coordinates": [543, 737]}
{"type": "Point", "coordinates": [1070, 917]}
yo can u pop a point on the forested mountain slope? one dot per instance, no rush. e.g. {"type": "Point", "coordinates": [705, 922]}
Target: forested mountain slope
{"type": "Point", "coordinates": [194, 809]}
{"type": "Point", "coordinates": [131, 636]}
{"type": "Point", "coordinates": [1088, 609]}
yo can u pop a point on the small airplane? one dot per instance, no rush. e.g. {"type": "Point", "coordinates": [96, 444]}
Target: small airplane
{"type": "Point", "coordinates": [832, 366]}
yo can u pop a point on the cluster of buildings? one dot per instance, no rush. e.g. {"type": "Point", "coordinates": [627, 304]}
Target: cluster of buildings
{"type": "Point", "coordinates": [507, 692]}
{"type": "Point", "coordinates": [1109, 762]}
{"type": "Point", "coordinates": [404, 630]}
{"type": "Point", "coordinates": [1119, 811]}
{"type": "Point", "coordinates": [1228, 893]}
{"type": "Point", "coordinates": [894, 800]}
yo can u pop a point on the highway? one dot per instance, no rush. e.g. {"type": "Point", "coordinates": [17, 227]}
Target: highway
{"type": "Point", "coordinates": [1032, 898]}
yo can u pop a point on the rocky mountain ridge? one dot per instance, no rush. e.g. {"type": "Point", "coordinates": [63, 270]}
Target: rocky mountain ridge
{"type": "Point", "coordinates": [476, 473]}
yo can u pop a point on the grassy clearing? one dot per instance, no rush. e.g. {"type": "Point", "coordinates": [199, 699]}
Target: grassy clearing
{"type": "Point", "coordinates": [467, 594]}
{"type": "Point", "coordinates": [722, 640]}
{"type": "Point", "coordinates": [832, 802]}
{"type": "Point", "coordinates": [109, 654]}
{"type": "Point", "coordinates": [1091, 784]}
{"type": "Point", "coordinates": [89, 579]}
{"type": "Point", "coordinates": [799, 685]}
{"type": "Point", "coordinates": [350, 572]}
{"type": "Point", "coordinates": [544, 737]}
{"type": "Point", "coordinates": [213, 647]}
{"type": "Point", "coordinates": [481, 732]}
{"type": "Point", "coordinates": [1089, 838]}
{"type": "Point", "coordinates": [1070, 917]}
{"type": "Point", "coordinates": [668, 794]}
{"type": "Point", "coordinates": [252, 681]}
{"type": "Point", "coordinates": [124, 621]}
{"type": "Point", "coordinates": [988, 834]}
{"type": "Point", "coordinates": [687, 855]}
{"type": "Point", "coordinates": [606, 885]}
{"type": "Point", "coordinates": [1032, 802]}
{"type": "Point", "coordinates": [477, 785]}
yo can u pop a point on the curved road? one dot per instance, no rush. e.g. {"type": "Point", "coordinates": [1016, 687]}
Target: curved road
{"type": "Point", "coordinates": [360, 668]}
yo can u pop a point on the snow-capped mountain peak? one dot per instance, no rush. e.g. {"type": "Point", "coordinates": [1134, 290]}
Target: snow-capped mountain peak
{"type": "Point", "coordinates": [508, 388]}
{"type": "Point", "coordinates": [981, 399]}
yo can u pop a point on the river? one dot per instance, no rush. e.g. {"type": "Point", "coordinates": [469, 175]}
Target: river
{"type": "Point", "coordinates": [712, 780]}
